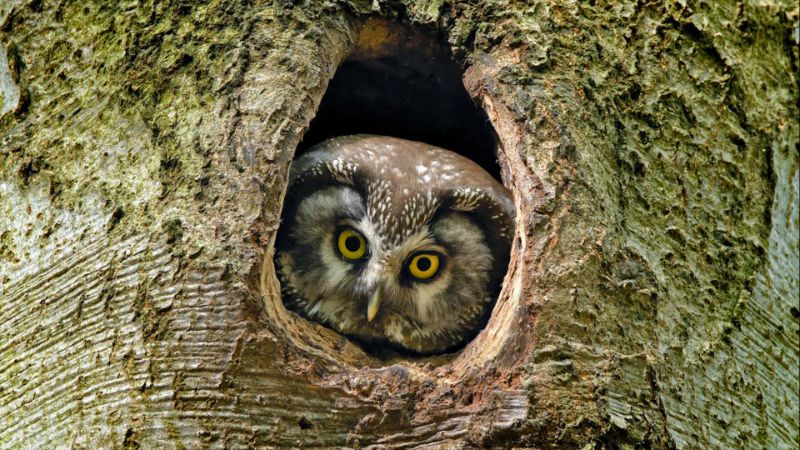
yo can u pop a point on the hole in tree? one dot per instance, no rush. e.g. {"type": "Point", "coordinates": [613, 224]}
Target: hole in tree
{"type": "Point", "coordinates": [404, 83]}
{"type": "Point", "coordinates": [400, 82]}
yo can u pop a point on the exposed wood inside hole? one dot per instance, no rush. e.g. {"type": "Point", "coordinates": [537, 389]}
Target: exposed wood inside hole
{"type": "Point", "coordinates": [360, 99]}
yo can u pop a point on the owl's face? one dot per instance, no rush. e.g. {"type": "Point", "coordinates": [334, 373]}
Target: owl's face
{"type": "Point", "coordinates": [393, 242]}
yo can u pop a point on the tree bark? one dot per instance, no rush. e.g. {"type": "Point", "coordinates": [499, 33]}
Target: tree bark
{"type": "Point", "coordinates": [652, 294]}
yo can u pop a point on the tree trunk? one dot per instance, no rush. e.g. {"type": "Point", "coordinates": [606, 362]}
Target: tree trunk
{"type": "Point", "coordinates": [652, 295]}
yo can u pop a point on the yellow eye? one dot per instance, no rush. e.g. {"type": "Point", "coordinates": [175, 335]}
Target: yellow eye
{"type": "Point", "coordinates": [424, 266]}
{"type": "Point", "coordinates": [351, 244]}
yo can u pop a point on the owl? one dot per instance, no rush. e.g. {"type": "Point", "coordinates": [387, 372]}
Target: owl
{"type": "Point", "coordinates": [393, 243]}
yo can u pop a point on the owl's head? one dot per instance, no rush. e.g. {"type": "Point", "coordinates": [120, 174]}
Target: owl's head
{"type": "Point", "coordinates": [393, 242]}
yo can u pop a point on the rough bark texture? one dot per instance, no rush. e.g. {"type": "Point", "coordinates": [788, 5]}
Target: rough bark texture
{"type": "Point", "coordinates": [651, 300]}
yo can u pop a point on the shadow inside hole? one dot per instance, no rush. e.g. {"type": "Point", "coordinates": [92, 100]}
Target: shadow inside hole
{"type": "Point", "coordinates": [406, 86]}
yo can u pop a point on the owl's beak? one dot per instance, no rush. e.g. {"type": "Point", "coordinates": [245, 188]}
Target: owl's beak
{"type": "Point", "coordinates": [374, 303]}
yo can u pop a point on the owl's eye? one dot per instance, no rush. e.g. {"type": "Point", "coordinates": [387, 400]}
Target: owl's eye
{"type": "Point", "coordinates": [424, 266]}
{"type": "Point", "coordinates": [351, 244]}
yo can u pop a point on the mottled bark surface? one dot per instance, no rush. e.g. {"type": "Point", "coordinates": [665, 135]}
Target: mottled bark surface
{"type": "Point", "coordinates": [651, 300]}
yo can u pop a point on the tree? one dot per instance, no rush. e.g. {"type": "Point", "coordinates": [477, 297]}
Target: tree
{"type": "Point", "coordinates": [652, 297]}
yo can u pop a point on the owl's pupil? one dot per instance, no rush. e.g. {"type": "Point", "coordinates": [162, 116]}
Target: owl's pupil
{"type": "Point", "coordinates": [424, 264]}
{"type": "Point", "coordinates": [352, 243]}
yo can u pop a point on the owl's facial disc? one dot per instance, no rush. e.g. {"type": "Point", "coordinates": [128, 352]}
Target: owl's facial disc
{"type": "Point", "coordinates": [423, 293]}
